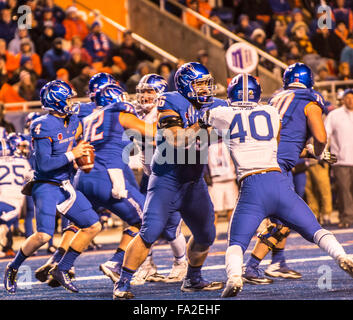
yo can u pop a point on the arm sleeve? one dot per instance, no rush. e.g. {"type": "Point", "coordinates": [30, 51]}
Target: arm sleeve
{"type": "Point", "coordinates": [45, 161]}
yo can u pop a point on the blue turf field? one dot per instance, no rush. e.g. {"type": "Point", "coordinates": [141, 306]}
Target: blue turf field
{"type": "Point", "coordinates": [301, 255]}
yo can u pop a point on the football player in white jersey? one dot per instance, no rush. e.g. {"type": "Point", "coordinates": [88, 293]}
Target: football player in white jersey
{"type": "Point", "coordinates": [251, 132]}
{"type": "Point", "coordinates": [14, 171]}
{"type": "Point", "coordinates": [149, 87]}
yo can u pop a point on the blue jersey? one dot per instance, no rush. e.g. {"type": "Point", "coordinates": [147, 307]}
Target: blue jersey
{"type": "Point", "coordinates": [291, 105]}
{"type": "Point", "coordinates": [103, 130]}
{"type": "Point", "coordinates": [187, 171]}
{"type": "Point", "coordinates": [86, 109]}
{"type": "Point", "coordinates": [52, 138]}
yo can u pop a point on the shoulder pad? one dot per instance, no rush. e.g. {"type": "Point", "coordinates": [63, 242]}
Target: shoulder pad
{"type": "Point", "coordinates": [171, 101]}
{"type": "Point", "coordinates": [218, 103]}
{"type": "Point", "coordinates": [41, 128]}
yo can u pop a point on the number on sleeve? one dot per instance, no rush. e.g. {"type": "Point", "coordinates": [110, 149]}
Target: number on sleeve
{"type": "Point", "coordinates": [37, 128]}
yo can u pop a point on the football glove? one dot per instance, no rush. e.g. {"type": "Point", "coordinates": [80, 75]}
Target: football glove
{"type": "Point", "coordinates": [203, 119]}
{"type": "Point", "coordinates": [326, 155]}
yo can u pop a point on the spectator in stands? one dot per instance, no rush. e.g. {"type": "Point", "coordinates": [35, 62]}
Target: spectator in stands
{"type": "Point", "coordinates": [130, 53]}
{"type": "Point", "coordinates": [260, 11]}
{"type": "Point", "coordinates": [118, 67]}
{"type": "Point", "coordinates": [343, 14]}
{"type": "Point", "coordinates": [280, 39]}
{"type": "Point", "coordinates": [327, 44]}
{"type": "Point", "coordinates": [339, 130]}
{"type": "Point", "coordinates": [54, 59]}
{"type": "Point", "coordinates": [77, 43]}
{"type": "Point", "coordinates": [344, 71]}
{"type": "Point", "coordinates": [200, 6]}
{"type": "Point", "coordinates": [295, 17]}
{"type": "Point", "coordinates": [3, 72]}
{"type": "Point", "coordinates": [48, 19]}
{"type": "Point", "coordinates": [280, 8]}
{"type": "Point", "coordinates": [25, 51]}
{"type": "Point", "coordinates": [7, 25]}
{"type": "Point", "coordinates": [27, 88]}
{"type": "Point", "coordinates": [347, 53]}
{"type": "Point", "coordinates": [63, 75]}
{"type": "Point", "coordinates": [12, 62]}
{"type": "Point", "coordinates": [143, 68]}
{"type": "Point", "coordinates": [323, 74]}
{"type": "Point", "coordinates": [27, 65]}
{"type": "Point", "coordinates": [244, 28]}
{"type": "Point", "coordinates": [15, 44]}
{"type": "Point", "coordinates": [80, 83]}
{"type": "Point", "coordinates": [45, 40]}
{"type": "Point", "coordinates": [258, 38]}
{"type": "Point", "coordinates": [97, 43]}
{"type": "Point", "coordinates": [74, 25]}
{"type": "Point", "coordinates": [9, 93]}
{"type": "Point", "coordinates": [300, 36]}
{"type": "Point", "coordinates": [342, 34]}
{"type": "Point", "coordinates": [58, 13]}
{"type": "Point", "coordinates": [75, 65]}
{"type": "Point", "coordinates": [214, 33]}
{"type": "Point", "coordinates": [164, 69]}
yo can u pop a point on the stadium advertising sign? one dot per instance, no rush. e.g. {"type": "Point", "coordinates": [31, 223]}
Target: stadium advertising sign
{"type": "Point", "coordinates": [241, 58]}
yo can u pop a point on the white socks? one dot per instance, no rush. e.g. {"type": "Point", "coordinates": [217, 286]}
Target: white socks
{"type": "Point", "coordinates": [178, 246]}
{"type": "Point", "coordinates": [328, 242]}
{"type": "Point", "coordinates": [234, 261]}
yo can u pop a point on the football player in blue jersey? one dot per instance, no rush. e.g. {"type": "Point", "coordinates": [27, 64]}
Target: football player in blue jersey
{"type": "Point", "coordinates": [147, 91]}
{"type": "Point", "coordinates": [251, 132]}
{"type": "Point", "coordinates": [176, 182]}
{"type": "Point", "coordinates": [301, 109]}
{"type": "Point", "coordinates": [54, 138]}
{"type": "Point", "coordinates": [109, 185]}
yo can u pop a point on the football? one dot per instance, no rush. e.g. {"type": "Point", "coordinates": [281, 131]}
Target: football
{"type": "Point", "coordinates": [86, 162]}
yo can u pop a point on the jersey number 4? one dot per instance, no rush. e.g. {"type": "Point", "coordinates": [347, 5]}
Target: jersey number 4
{"type": "Point", "coordinates": [237, 127]}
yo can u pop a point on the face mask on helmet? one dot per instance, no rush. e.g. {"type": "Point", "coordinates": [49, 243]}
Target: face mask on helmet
{"type": "Point", "coordinates": [146, 97]}
{"type": "Point", "coordinates": [19, 145]}
{"type": "Point", "coordinates": [72, 107]}
{"type": "Point", "coordinates": [203, 89]}
{"type": "Point", "coordinates": [110, 94]}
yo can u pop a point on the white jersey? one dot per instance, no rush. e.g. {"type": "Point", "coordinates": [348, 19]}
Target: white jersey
{"type": "Point", "coordinates": [139, 160]}
{"type": "Point", "coordinates": [251, 136]}
{"type": "Point", "coordinates": [14, 172]}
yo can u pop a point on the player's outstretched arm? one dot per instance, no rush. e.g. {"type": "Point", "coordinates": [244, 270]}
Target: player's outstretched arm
{"type": "Point", "coordinates": [130, 121]}
{"type": "Point", "coordinates": [317, 127]}
{"type": "Point", "coordinates": [175, 133]}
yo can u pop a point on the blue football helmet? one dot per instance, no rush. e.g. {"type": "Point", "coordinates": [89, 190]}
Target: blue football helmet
{"type": "Point", "coordinates": [56, 96]}
{"type": "Point", "coordinates": [5, 149]}
{"type": "Point", "coordinates": [195, 83]}
{"type": "Point", "coordinates": [149, 87]}
{"type": "Point", "coordinates": [19, 145]}
{"type": "Point", "coordinates": [98, 81]}
{"type": "Point", "coordinates": [29, 119]}
{"type": "Point", "coordinates": [108, 94]}
{"type": "Point", "coordinates": [298, 75]}
{"type": "Point", "coordinates": [244, 90]}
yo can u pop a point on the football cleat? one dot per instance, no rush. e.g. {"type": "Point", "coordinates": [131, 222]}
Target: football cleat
{"type": "Point", "coordinates": [147, 272]}
{"type": "Point", "coordinates": [254, 275]}
{"type": "Point", "coordinates": [10, 281]}
{"type": "Point", "coordinates": [63, 277]}
{"type": "Point", "coordinates": [233, 287]}
{"type": "Point", "coordinates": [54, 283]}
{"type": "Point", "coordinates": [122, 291]}
{"type": "Point", "coordinates": [111, 269]}
{"type": "Point", "coordinates": [199, 284]}
{"type": "Point", "coordinates": [346, 264]}
{"type": "Point", "coordinates": [178, 271]}
{"type": "Point", "coordinates": [42, 272]}
{"type": "Point", "coordinates": [280, 269]}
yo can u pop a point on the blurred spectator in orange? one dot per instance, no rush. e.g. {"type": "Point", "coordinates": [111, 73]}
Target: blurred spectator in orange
{"type": "Point", "coordinates": [118, 68]}
{"type": "Point", "coordinates": [74, 25]}
{"type": "Point", "coordinates": [9, 93]}
{"type": "Point", "coordinates": [342, 32]}
{"type": "Point", "coordinates": [77, 43]}
{"type": "Point", "coordinates": [3, 72]}
{"type": "Point", "coordinates": [25, 51]}
{"type": "Point", "coordinates": [12, 62]}
{"type": "Point", "coordinates": [344, 71]}
{"type": "Point", "coordinates": [97, 43]}
{"type": "Point", "coordinates": [200, 6]}
{"type": "Point", "coordinates": [63, 75]}
{"type": "Point", "coordinates": [7, 25]}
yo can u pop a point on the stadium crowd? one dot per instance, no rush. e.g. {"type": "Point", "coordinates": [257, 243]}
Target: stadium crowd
{"type": "Point", "coordinates": [61, 45]}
